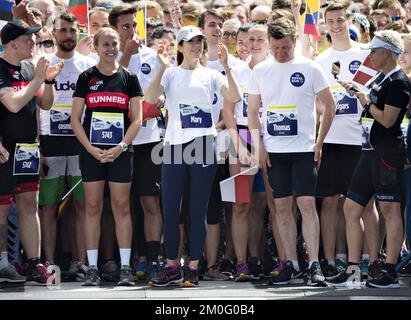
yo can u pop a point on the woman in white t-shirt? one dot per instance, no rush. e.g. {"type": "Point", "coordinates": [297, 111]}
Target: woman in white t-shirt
{"type": "Point", "coordinates": [188, 153]}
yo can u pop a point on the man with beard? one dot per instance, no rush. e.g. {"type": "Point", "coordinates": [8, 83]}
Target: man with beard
{"type": "Point", "coordinates": [59, 148]}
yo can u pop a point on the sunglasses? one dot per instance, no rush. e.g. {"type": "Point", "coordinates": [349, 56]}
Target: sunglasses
{"type": "Point", "coordinates": [227, 34]}
{"type": "Point", "coordinates": [46, 43]}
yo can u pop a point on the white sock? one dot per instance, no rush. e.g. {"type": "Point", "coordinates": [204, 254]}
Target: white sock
{"type": "Point", "coordinates": [92, 256]}
{"type": "Point", "coordinates": [331, 263]}
{"type": "Point", "coordinates": [295, 265]}
{"type": "Point", "coordinates": [341, 256]}
{"type": "Point", "coordinates": [365, 256]}
{"type": "Point", "coordinates": [4, 259]}
{"type": "Point", "coordinates": [311, 263]}
{"type": "Point", "coordinates": [125, 254]}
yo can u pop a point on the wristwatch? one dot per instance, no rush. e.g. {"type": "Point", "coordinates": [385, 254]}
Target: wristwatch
{"type": "Point", "coordinates": [123, 145]}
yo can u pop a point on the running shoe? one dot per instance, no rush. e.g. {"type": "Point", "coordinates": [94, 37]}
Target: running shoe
{"type": "Point", "coordinates": [92, 277]}
{"type": "Point", "coordinates": [126, 277]}
{"type": "Point", "coordinates": [288, 275]}
{"type": "Point", "coordinates": [213, 274]}
{"type": "Point", "coordinates": [167, 275]}
{"type": "Point", "coordinates": [315, 275]}
{"type": "Point", "coordinates": [39, 276]}
{"type": "Point", "coordinates": [242, 272]}
{"type": "Point", "coordinates": [190, 278]}
{"type": "Point", "coordinates": [10, 274]}
{"type": "Point", "coordinates": [383, 281]}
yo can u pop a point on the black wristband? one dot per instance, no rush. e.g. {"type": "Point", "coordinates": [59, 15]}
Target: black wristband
{"type": "Point", "coordinates": [50, 81]}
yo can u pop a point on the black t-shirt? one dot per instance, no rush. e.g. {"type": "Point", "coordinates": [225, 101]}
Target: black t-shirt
{"type": "Point", "coordinates": [107, 94]}
{"type": "Point", "coordinates": [20, 127]}
{"type": "Point", "coordinates": [395, 91]}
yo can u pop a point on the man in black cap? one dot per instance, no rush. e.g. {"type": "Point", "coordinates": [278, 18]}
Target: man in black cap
{"type": "Point", "coordinates": [22, 87]}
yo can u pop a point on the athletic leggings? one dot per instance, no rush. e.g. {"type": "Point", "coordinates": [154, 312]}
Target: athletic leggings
{"type": "Point", "coordinates": [200, 177]}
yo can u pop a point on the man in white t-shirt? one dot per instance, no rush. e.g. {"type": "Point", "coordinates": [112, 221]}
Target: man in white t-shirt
{"type": "Point", "coordinates": [142, 61]}
{"type": "Point", "coordinates": [59, 146]}
{"type": "Point", "coordinates": [342, 145]}
{"type": "Point", "coordinates": [287, 87]}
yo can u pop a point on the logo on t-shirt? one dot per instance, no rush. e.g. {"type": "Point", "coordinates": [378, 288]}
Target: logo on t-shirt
{"type": "Point", "coordinates": [14, 73]}
{"type": "Point", "coordinates": [297, 79]}
{"type": "Point", "coordinates": [145, 68]}
{"type": "Point", "coordinates": [94, 83]}
{"type": "Point", "coordinates": [354, 65]}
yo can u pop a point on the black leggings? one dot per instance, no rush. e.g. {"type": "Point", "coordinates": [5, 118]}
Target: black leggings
{"type": "Point", "coordinates": [199, 176]}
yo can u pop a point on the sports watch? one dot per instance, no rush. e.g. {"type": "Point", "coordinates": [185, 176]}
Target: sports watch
{"type": "Point", "coordinates": [123, 145]}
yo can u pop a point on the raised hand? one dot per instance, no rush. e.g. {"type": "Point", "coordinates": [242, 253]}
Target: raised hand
{"type": "Point", "coordinates": [223, 55]}
{"type": "Point", "coordinates": [132, 45]}
{"type": "Point", "coordinates": [162, 56]}
{"type": "Point", "coordinates": [53, 71]}
{"type": "Point", "coordinates": [41, 68]}
{"type": "Point", "coordinates": [85, 46]}
{"type": "Point", "coordinates": [176, 14]}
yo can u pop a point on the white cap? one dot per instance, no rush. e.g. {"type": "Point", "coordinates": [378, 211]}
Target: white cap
{"type": "Point", "coordinates": [189, 32]}
{"type": "Point", "coordinates": [377, 42]}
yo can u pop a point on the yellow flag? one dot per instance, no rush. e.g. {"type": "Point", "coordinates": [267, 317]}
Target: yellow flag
{"type": "Point", "coordinates": [141, 24]}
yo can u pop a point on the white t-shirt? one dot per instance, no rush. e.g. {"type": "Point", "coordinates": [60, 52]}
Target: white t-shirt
{"type": "Point", "coordinates": [288, 91]}
{"type": "Point", "coordinates": [189, 102]}
{"type": "Point", "coordinates": [145, 65]}
{"type": "Point", "coordinates": [345, 128]}
{"type": "Point", "coordinates": [233, 62]}
{"type": "Point", "coordinates": [63, 94]}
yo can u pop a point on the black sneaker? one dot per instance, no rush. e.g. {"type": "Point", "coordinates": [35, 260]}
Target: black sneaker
{"type": "Point", "coordinates": [349, 278]}
{"type": "Point", "coordinates": [315, 275]}
{"type": "Point", "coordinates": [384, 281]}
{"type": "Point", "coordinates": [227, 268]}
{"type": "Point", "coordinates": [126, 277]}
{"type": "Point", "coordinates": [330, 272]}
{"type": "Point", "coordinates": [255, 269]}
{"type": "Point", "coordinates": [92, 277]}
{"type": "Point", "coordinates": [288, 276]}
{"type": "Point", "coordinates": [374, 269]}
{"type": "Point", "coordinates": [406, 271]}
{"type": "Point", "coordinates": [167, 275]}
{"type": "Point", "coordinates": [190, 277]}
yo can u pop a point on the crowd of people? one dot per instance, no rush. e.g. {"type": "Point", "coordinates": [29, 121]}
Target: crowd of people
{"type": "Point", "coordinates": [113, 144]}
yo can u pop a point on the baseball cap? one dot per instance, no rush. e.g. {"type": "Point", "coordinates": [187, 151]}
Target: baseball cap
{"type": "Point", "coordinates": [14, 29]}
{"type": "Point", "coordinates": [189, 32]}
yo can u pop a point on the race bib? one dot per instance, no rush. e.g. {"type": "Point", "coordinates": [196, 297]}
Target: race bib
{"type": "Point", "coordinates": [60, 120]}
{"type": "Point", "coordinates": [344, 103]}
{"type": "Point", "coordinates": [366, 124]}
{"type": "Point", "coordinates": [106, 128]}
{"type": "Point", "coordinates": [282, 121]}
{"type": "Point", "coordinates": [26, 159]}
{"type": "Point", "coordinates": [245, 104]}
{"type": "Point", "coordinates": [193, 116]}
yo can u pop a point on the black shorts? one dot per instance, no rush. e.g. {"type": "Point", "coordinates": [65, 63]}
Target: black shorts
{"type": "Point", "coordinates": [377, 174]}
{"type": "Point", "coordinates": [337, 167]}
{"type": "Point", "coordinates": [11, 184]}
{"type": "Point", "coordinates": [299, 167]}
{"type": "Point", "coordinates": [118, 171]}
{"type": "Point", "coordinates": [146, 174]}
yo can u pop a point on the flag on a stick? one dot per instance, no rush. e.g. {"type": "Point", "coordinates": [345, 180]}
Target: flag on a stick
{"type": "Point", "coordinates": [237, 188]}
{"type": "Point", "coordinates": [6, 13]}
{"type": "Point", "coordinates": [310, 24]}
{"type": "Point", "coordinates": [365, 73]}
{"type": "Point", "coordinates": [80, 9]}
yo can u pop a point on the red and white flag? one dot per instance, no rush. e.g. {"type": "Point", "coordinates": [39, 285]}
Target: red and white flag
{"type": "Point", "coordinates": [237, 188]}
{"type": "Point", "coordinates": [365, 72]}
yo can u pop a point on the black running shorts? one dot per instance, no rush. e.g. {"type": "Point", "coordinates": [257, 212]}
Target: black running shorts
{"type": "Point", "coordinates": [299, 167]}
{"type": "Point", "coordinates": [337, 166]}
{"type": "Point", "coordinates": [377, 174]}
